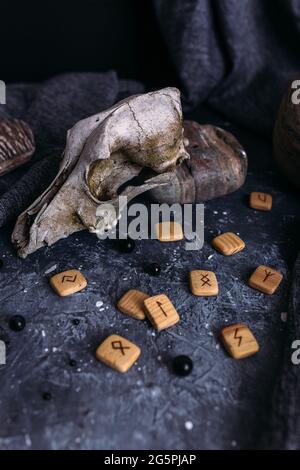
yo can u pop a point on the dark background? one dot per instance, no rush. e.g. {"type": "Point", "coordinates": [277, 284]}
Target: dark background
{"type": "Point", "coordinates": [42, 39]}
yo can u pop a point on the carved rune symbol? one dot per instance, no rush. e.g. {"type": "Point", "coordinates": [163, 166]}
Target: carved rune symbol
{"type": "Point", "coordinates": [161, 307]}
{"type": "Point", "coordinates": [262, 197]}
{"type": "Point", "coordinates": [205, 280]}
{"type": "Point", "coordinates": [69, 279]}
{"type": "Point", "coordinates": [268, 274]}
{"type": "Point", "coordinates": [119, 345]}
{"type": "Point", "coordinates": [239, 338]}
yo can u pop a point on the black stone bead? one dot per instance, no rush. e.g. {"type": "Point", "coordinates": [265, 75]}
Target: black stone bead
{"type": "Point", "coordinates": [47, 396]}
{"type": "Point", "coordinates": [17, 323]}
{"type": "Point", "coordinates": [182, 365]}
{"type": "Point", "coordinates": [126, 246]}
{"type": "Point", "coordinates": [154, 269]}
{"type": "Point", "coordinates": [72, 363]}
{"type": "Point", "coordinates": [76, 321]}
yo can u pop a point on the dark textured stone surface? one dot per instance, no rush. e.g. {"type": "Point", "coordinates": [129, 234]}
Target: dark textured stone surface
{"type": "Point", "coordinates": [92, 407]}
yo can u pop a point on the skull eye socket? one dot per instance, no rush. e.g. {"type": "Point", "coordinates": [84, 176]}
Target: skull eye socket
{"type": "Point", "coordinates": [97, 178]}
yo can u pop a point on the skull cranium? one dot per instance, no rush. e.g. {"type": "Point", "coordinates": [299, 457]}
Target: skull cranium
{"type": "Point", "coordinates": [102, 153]}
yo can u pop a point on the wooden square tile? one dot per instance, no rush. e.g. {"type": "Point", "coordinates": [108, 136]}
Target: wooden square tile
{"type": "Point", "coordinates": [169, 231]}
{"type": "Point", "coordinates": [239, 341]}
{"type": "Point", "coordinates": [228, 244]}
{"type": "Point", "coordinates": [261, 201]}
{"type": "Point", "coordinates": [117, 352]}
{"type": "Point", "coordinates": [68, 282]}
{"type": "Point", "coordinates": [265, 279]}
{"type": "Point", "coordinates": [203, 283]}
{"type": "Point", "coordinates": [161, 312]}
{"type": "Point", "coordinates": [132, 304]}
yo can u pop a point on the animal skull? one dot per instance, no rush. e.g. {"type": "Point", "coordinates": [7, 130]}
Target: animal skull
{"type": "Point", "coordinates": [102, 153]}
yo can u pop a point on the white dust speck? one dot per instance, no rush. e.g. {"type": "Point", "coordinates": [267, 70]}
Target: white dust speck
{"type": "Point", "coordinates": [46, 350]}
{"type": "Point", "coordinates": [139, 383]}
{"type": "Point", "coordinates": [25, 290]}
{"type": "Point", "coordinates": [125, 279]}
{"type": "Point", "coordinates": [153, 333]}
{"type": "Point", "coordinates": [54, 349]}
{"type": "Point", "coordinates": [50, 270]}
{"type": "Point", "coordinates": [233, 443]}
{"type": "Point", "coordinates": [210, 257]}
{"type": "Point", "coordinates": [283, 316]}
{"type": "Point", "coordinates": [159, 358]}
{"type": "Point", "coordinates": [210, 333]}
{"type": "Point", "coordinates": [188, 425]}
{"type": "Point", "coordinates": [207, 325]}
{"type": "Point", "coordinates": [99, 303]}
{"type": "Point", "coordinates": [139, 369]}
{"type": "Point", "coordinates": [217, 346]}
{"type": "Point", "coordinates": [43, 333]}
{"type": "Point", "coordinates": [77, 440]}
{"type": "Point", "coordinates": [78, 370]}
{"type": "Point", "coordinates": [216, 212]}
{"type": "Point", "coordinates": [224, 213]}
{"type": "Point", "coordinates": [27, 440]}
{"type": "Point", "coordinates": [101, 309]}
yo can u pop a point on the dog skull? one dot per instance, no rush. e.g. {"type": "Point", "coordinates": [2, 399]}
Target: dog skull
{"type": "Point", "coordinates": [102, 153]}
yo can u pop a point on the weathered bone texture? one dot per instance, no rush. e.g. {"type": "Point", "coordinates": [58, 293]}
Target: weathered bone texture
{"type": "Point", "coordinates": [286, 138]}
{"type": "Point", "coordinates": [16, 144]}
{"type": "Point", "coordinates": [102, 153]}
{"type": "Point", "coordinates": [217, 166]}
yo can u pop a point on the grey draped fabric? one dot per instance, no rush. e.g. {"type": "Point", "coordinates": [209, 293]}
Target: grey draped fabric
{"type": "Point", "coordinates": [236, 55]}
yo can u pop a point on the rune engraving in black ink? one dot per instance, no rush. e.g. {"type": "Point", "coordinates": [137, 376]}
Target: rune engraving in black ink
{"type": "Point", "coordinates": [118, 345]}
{"type": "Point", "coordinates": [262, 197]}
{"type": "Point", "coordinates": [161, 307]}
{"type": "Point", "coordinates": [268, 274]}
{"type": "Point", "coordinates": [238, 337]}
{"type": "Point", "coordinates": [69, 278]}
{"type": "Point", "coordinates": [205, 280]}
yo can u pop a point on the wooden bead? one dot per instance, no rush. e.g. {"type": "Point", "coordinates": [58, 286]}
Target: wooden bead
{"type": "Point", "coordinates": [169, 232]}
{"type": "Point", "coordinates": [68, 282]}
{"type": "Point", "coordinates": [117, 352]}
{"type": "Point", "coordinates": [239, 341]}
{"type": "Point", "coordinates": [132, 304]}
{"type": "Point", "coordinates": [261, 201]}
{"type": "Point", "coordinates": [161, 312]}
{"type": "Point", "coordinates": [228, 244]}
{"type": "Point", "coordinates": [203, 283]}
{"type": "Point", "coordinates": [265, 279]}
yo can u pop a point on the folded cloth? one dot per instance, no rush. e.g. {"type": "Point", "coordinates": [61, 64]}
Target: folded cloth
{"type": "Point", "coordinates": [52, 108]}
{"type": "Point", "coordinates": [237, 56]}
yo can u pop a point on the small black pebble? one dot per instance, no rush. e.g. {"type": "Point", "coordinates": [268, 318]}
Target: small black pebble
{"type": "Point", "coordinates": [72, 363]}
{"type": "Point", "coordinates": [47, 396]}
{"type": "Point", "coordinates": [76, 321]}
{"type": "Point", "coordinates": [126, 246]}
{"type": "Point", "coordinates": [17, 323]}
{"type": "Point", "coordinates": [154, 269]}
{"type": "Point", "coordinates": [182, 365]}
